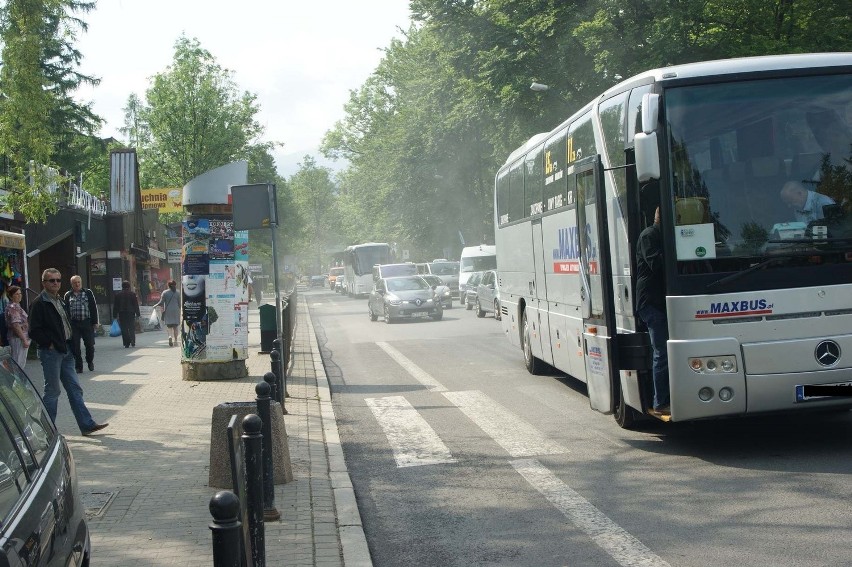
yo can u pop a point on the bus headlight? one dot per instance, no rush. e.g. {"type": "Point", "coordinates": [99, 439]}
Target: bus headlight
{"type": "Point", "coordinates": [724, 364]}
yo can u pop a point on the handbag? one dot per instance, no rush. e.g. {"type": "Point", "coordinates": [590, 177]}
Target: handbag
{"type": "Point", "coordinates": [115, 329]}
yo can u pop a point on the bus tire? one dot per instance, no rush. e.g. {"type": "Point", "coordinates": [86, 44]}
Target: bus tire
{"type": "Point", "coordinates": [625, 416]}
{"type": "Point", "coordinates": [534, 365]}
{"type": "Point", "coordinates": [497, 309]}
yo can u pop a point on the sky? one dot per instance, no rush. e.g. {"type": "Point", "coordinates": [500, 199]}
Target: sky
{"type": "Point", "coordinates": [300, 58]}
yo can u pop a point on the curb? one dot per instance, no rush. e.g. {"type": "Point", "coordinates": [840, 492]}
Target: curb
{"type": "Point", "coordinates": [353, 542]}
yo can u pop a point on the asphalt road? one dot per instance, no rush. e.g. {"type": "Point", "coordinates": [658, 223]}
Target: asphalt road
{"type": "Point", "coordinates": [458, 456]}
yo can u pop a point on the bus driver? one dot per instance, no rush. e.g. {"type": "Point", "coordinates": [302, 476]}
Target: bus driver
{"type": "Point", "coordinates": [807, 205]}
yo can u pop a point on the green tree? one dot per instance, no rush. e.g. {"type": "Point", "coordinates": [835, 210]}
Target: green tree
{"type": "Point", "coordinates": [197, 119]}
{"type": "Point", "coordinates": [40, 122]}
{"type": "Point", "coordinates": [313, 194]}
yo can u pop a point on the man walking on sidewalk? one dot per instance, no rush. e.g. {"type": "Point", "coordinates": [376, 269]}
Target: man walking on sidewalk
{"type": "Point", "coordinates": [51, 330]}
{"type": "Point", "coordinates": [126, 310]}
{"type": "Point", "coordinates": [84, 320]}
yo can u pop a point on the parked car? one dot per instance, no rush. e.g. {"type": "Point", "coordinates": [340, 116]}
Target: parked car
{"type": "Point", "coordinates": [340, 284]}
{"type": "Point", "coordinates": [403, 297]}
{"type": "Point", "coordinates": [42, 519]}
{"type": "Point", "coordinates": [488, 295]}
{"type": "Point", "coordinates": [468, 294]}
{"type": "Point", "coordinates": [442, 290]}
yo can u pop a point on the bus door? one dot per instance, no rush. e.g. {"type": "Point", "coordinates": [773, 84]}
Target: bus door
{"type": "Point", "coordinates": [540, 338]}
{"type": "Point", "coordinates": [596, 283]}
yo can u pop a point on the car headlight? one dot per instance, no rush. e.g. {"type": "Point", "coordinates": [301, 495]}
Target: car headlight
{"type": "Point", "coordinates": [447, 293]}
{"type": "Point", "coordinates": [393, 300]}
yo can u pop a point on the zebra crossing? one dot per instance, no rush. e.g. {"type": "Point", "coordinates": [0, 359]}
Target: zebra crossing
{"type": "Point", "coordinates": [415, 443]}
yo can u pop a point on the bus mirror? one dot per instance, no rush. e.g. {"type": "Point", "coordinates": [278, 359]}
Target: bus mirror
{"type": "Point", "coordinates": [650, 112]}
{"type": "Point", "coordinates": [647, 156]}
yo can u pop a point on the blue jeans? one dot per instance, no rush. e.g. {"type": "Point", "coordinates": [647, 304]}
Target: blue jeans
{"type": "Point", "coordinates": [658, 328]}
{"type": "Point", "coordinates": [59, 367]}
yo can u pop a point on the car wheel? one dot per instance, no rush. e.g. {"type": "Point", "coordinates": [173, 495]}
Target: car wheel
{"type": "Point", "coordinates": [438, 314]}
{"type": "Point", "coordinates": [468, 306]}
{"type": "Point", "coordinates": [388, 318]}
{"type": "Point", "coordinates": [480, 312]}
{"type": "Point", "coordinates": [533, 364]}
{"type": "Point", "coordinates": [497, 309]}
{"type": "Point", "coordinates": [449, 304]}
{"type": "Point", "coordinates": [373, 316]}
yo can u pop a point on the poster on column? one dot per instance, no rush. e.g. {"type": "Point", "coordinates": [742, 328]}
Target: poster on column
{"type": "Point", "coordinates": [195, 265]}
{"type": "Point", "coordinates": [221, 298]}
{"type": "Point", "coordinates": [241, 257]}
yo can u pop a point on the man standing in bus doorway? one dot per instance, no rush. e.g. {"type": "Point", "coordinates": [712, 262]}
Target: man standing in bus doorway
{"type": "Point", "coordinates": [651, 307]}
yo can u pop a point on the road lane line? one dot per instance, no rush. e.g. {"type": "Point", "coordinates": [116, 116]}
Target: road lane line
{"type": "Point", "coordinates": [413, 441]}
{"type": "Point", "coordinates": [418, 373]}
{"type": "Point", "coordinates": [609, 536]}
{"type": "Point", "coordinates": [519, 438]}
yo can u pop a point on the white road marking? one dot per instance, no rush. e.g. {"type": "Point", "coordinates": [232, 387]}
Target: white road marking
{"type": "Point", "coordinates": [609, 536]}
{"type": "Point", "coordinates": [413, 441]}
{"type": "Point", "coordinates": [519, 438]}
{"type": "Point", "coordinates": [418, 373]}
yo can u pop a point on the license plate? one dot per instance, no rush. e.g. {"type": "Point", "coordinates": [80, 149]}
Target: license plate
{"type": "Point", "coordinates": [808, 392]}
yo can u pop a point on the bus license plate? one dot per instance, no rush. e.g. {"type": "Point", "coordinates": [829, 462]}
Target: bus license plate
{"type": "Point", "coordinates": [808, 392]}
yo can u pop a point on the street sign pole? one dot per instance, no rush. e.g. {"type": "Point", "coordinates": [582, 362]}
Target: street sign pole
{"type": "Point", "coordinates": [273, 226]}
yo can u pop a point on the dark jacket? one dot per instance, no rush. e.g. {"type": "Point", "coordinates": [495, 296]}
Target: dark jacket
{"type": "Point", "coordinates": [126, 303]}
{"type": "Point", "coordinates": [93, 306]}
{"type": "Point", "coordinates": [650, 280]}
{"type": "Point", "coordinates": [46, 325]}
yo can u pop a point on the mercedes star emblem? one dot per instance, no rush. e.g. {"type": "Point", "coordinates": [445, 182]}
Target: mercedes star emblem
{"type": "Point", "coordinates": [827, 353]}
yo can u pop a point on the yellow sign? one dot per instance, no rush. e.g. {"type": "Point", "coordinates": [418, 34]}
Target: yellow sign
{"type": "Point", "coordinates": [167, 200]}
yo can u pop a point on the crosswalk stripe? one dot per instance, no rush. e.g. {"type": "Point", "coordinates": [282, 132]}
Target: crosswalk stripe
{"type": "Point", "coordinates": [418, 373]}
{"type": "Point", "coordinates": [609, 536]}
{"type": "Point", "coordinates": [516, 436]}
{"type": "Point", "coordinates": [413, 441]}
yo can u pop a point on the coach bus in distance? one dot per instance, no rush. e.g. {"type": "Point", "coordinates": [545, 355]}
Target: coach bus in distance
{"type": "Point", "coordinates": [358, 262]}
{"type": "Point", "coordinates": [758, 285]}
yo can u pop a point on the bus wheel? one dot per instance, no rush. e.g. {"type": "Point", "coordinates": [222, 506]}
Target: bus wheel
{"type": "Point", "coordinates": [497, 309]}
{"type": "Point", "coordinates": [625, 416]}
{"type": "Point", "coordinates": [533, 364]}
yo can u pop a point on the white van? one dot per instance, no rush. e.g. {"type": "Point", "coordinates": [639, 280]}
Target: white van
{"type": "Point", "coordinates": [475, 259]}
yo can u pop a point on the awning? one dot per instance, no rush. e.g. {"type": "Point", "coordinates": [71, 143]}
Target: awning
{"type": "Point", "coordinates": [12, 240]}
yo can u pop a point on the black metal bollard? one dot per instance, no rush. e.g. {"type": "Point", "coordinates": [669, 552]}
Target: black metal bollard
{"type": "Point", "coordinates": [253, 443]}
{"type": "Point", "coordinates": [226, 526]}
{"type": "Point", "coordinates": [275, 364]}
{"type": "Point", "coordinates": [278, 345]}
{"type": "Point", "coordinates": [269, 511]}
{"type": "Point", "coordinates": [272, 380]}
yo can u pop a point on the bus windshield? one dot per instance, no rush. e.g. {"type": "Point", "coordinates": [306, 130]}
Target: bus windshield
{"type": "Point", "coordinates": [365, 257]}
{"type": "Point", "coordinates": [761, 168]}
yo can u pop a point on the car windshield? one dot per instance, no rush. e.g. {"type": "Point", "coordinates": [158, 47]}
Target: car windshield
{"type": "Point", "coordinates": [393, 270]}
{"type": "Point", "coordinates": [478, 263]}
{"type": "Point", "coordinates": [445, 268]}
{"type": "Point", "coordinates": [433, 280]}
{"type": "Point", "coordinates": [407, 284]}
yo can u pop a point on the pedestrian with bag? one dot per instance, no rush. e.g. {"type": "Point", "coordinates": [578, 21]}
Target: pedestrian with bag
{"type": "Point", "coordinates": [17, 325]}
{"type": "Point", "coordinates": [51, 330]}
{"type": "Point", "coordinates": [126, 309]}
{"type": "Point", "coordinates": [83, 314]}
{"type": "Point", "coordinates": [170, 303]}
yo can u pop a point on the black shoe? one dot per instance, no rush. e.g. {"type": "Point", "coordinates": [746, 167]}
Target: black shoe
{"type": "Point", "coordinates": [92, 366]}
{"type": "Point", "coordinates": [133, 345]}
{"type": "Point", "coordinates": [126, 346]}
{"type": "Point", "coordinates": [79, 369]}
{"type": "Point", "coordinates": [97, 427]}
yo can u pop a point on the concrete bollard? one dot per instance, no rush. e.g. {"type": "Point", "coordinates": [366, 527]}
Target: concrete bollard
{"type": "Point", "coordinates": [253, 443]}
{"type": "Point", "coordinates": [226, 526]}
{"type": "Point", "coordinates": [269, 511]}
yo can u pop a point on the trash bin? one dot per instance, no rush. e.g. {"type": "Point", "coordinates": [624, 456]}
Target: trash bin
{"type": "Point", "coordinates": [268, 327]}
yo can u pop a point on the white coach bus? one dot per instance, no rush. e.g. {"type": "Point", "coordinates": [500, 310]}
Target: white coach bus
{"type": "Point", "coordinates": [358, 262]}
{"type": "Point", "coordinates": [758, 291]}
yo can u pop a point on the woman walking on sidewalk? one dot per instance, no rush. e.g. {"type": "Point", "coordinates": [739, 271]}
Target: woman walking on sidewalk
{"type": "Point", "coordinates": [170, 302]}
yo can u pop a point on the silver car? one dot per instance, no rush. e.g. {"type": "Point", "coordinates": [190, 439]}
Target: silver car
{"type": "Point", "coordinates": [403, 297]}
{"type": "Point", "coordinates": [441, 290]}
{"type": "Point", "coordinates": [488, 295]}
{"type": "Point", "coordinates": [468, 294]}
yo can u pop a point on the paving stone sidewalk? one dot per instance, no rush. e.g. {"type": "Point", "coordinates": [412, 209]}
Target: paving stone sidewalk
{"type": "Point", "coordinates": [145, 477]}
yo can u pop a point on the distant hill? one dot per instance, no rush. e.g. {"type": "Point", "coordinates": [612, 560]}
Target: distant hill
{"type": "Point", "coordinates": [288, 164]}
